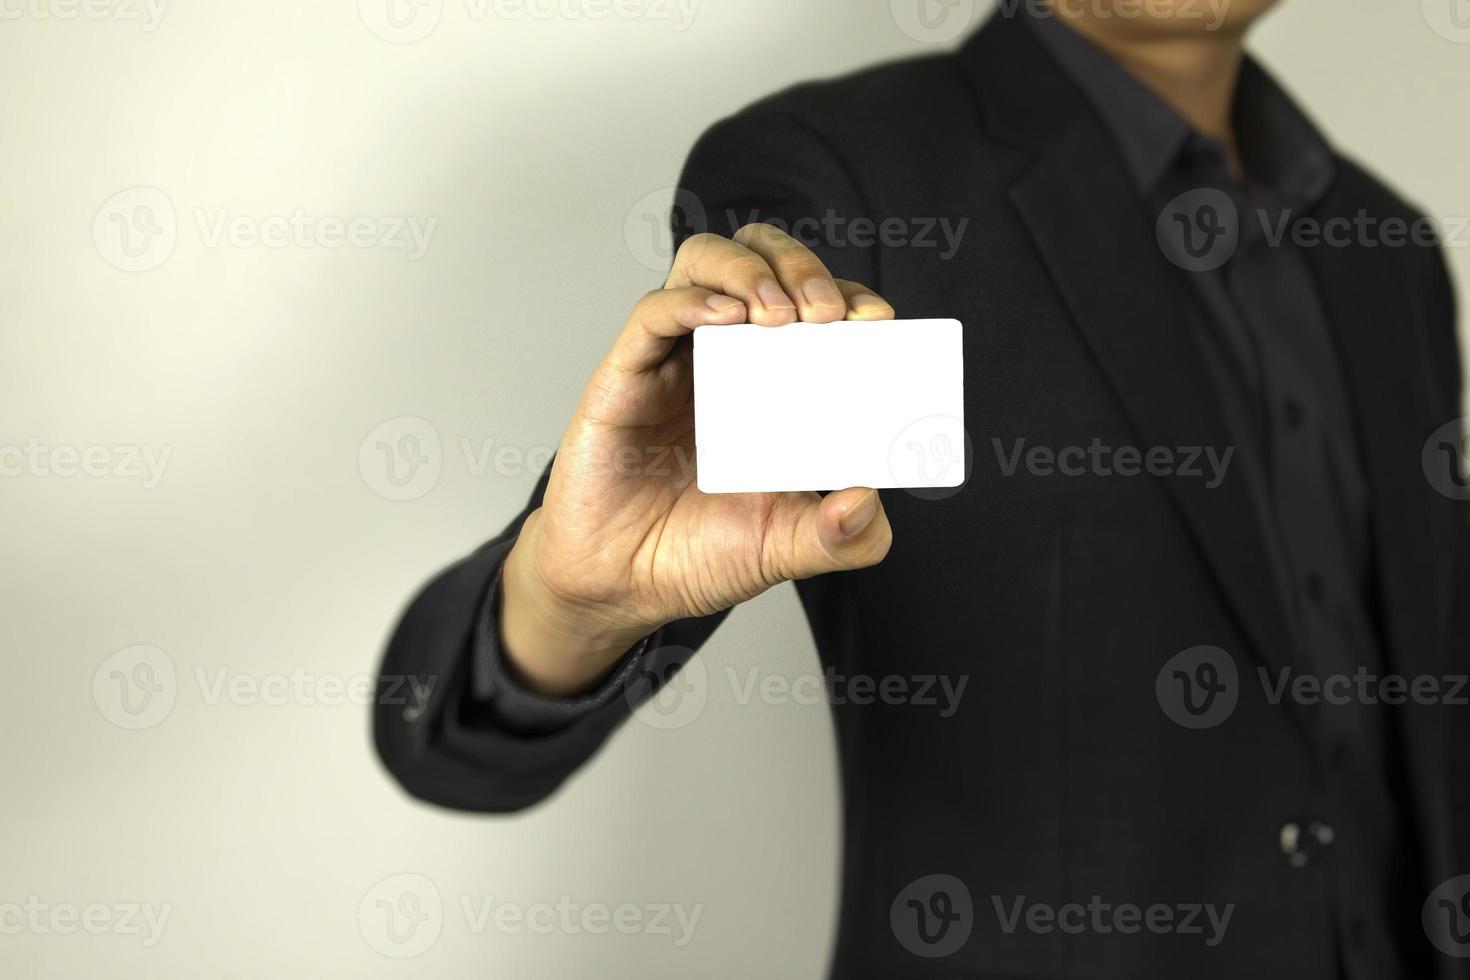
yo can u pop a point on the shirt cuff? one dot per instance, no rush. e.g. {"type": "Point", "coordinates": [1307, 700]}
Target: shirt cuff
{"type": "Point", "coordinates": [518, 711]}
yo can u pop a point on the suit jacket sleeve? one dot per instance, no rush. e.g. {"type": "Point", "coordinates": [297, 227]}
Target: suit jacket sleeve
{"type": "Point", "coordinates": [477, 743]}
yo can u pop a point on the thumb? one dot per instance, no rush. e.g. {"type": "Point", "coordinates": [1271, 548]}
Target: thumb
{"type": "Point", "coordinates": [844, 530]}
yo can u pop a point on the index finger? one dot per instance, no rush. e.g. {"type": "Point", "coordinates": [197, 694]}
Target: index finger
{"type": "Point", "coordinates": [731, 269]}
{"type": "Point", "coordinates": [802, 275]}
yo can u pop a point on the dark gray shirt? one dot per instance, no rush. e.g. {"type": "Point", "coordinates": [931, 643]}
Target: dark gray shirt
{"type": "Point", "coordinates": [1262, 329]}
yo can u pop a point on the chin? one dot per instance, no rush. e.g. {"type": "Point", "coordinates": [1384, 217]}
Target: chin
{"type": "Point", "coordinates": [1163, 18]}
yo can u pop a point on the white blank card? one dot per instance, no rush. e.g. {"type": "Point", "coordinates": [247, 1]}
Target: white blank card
{"type": "Point", "coordinates": [823, 406]}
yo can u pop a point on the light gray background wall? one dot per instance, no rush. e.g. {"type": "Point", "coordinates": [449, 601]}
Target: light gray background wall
{"type": "Point", "coordinates": [268, 557]}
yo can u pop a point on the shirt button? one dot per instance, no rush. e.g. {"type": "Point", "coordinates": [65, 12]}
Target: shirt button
{"type": "Point", "coordinates": [1316, 587]}
{"type": "Point", "coordinates": [1293, 414]}
{"type": "Point", "coordinates": [1304, 842]}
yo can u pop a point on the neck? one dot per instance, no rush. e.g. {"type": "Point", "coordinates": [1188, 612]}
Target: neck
{"type": "Point", "coordinates": [1194, 72]}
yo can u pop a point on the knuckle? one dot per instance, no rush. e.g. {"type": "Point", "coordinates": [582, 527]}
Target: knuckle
{"type": "Point", "coordinates": [694, 246]}
{"type": "Point", "coordinates": [751, 230]}
{"type": "Point", "coordinates": [763, 233]}
{"type": "Point", "coordinates": [802, 264]}
{"type": "Point", "coordinates": [795, 259]}
{"type": "Point", "coordinates": [747, 266]}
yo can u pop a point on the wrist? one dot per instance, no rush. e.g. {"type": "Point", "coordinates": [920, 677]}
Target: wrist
{"type": "Point", "coordinates": [556, 646]}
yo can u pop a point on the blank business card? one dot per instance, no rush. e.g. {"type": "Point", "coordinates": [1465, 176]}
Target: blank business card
{"type": "Point", "coordinates": [823, 406]}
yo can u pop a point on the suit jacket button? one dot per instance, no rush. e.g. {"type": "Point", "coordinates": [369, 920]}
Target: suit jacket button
{"type": "Point", "coordinates": [1303, 841]}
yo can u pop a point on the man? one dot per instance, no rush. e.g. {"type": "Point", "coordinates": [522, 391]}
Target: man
{"type": "Point", "coordinates": [1195, 481]}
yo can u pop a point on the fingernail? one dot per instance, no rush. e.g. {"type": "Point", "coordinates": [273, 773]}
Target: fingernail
{"type": "Point", "coordinates": [864, 303]}
{"type": "Point", "coordinates": [722, 304]}
{"type": "Point", "coordinates": [857, 517]}
{"type": "Point", "coordinates": [821, 292]}
{"type": "Point", "coordinates": [772, 297]}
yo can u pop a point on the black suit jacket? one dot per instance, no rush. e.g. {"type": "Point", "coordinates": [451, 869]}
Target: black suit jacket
{"type": "Point", "coordinates": [1061, 598]}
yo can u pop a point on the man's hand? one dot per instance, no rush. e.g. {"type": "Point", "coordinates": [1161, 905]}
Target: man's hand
{"type": "Point", "coordinates": [624, 541]}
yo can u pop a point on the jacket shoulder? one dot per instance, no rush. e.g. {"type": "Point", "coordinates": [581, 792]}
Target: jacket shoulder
{"type": "Point", "coordinates": [1366, 190]}
{"type": "Point", "coordinates": [880, 104]}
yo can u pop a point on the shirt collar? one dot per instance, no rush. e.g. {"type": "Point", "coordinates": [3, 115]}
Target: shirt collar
{"type": "Point", "coordinates": [1286, 155]}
